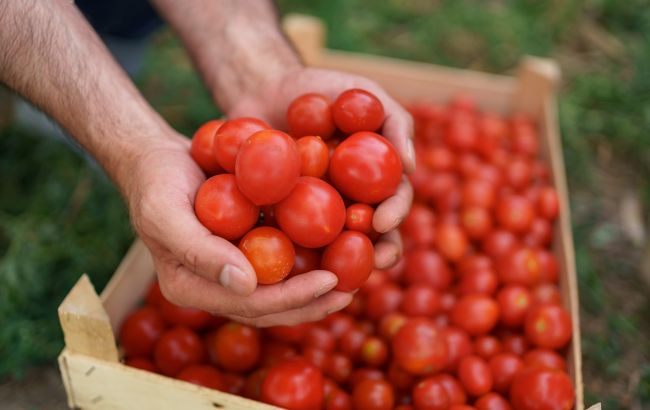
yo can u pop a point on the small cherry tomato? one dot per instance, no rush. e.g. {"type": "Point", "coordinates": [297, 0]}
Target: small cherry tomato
{"type": "Point", "coordinates": [548, 203]}
{"type": "Point", "coordinates": [231, 135]}
{"type": "Point", "coordinates": [518, 173]}
{"type": "Point", "coordinates": [351, 342]}
{"type": "Point", "coordinates": [359, 218]}
{"type": "Point", "coordinates": [492, 401]}
{"type": "Point", "coordinates": [289, 334]}
{"type": "Point", "coordinates": [430, 394]}
{"type": "Point", "coordinates": [384, 300]}
{"type": "Point", "coordinates": [544, 359]}
{"type": "Point", "coordinates": [320, 337]}
{"type": "Point", "coordinates": [357, 110]}
{"type": "Point", "coordinates": [515, 213]}
{"type": "Point", "coordinates": [504, 367]}
{"type": "Point", "coordinates": [483, 281]}
{"type": "Point", "coordinates": [548, 326]}
{"type": "Point", "coordinates": [475, 376]}
{"type": "Point", "coordinates": [154, 295]}
{"type": "Point", "coordinates": [176, 349]}
{"type": "Point", "coordinates": [390, 324]}
{"type": "Point", "coordinates": [202, 148]}
{"type": "Point", "coordinates": [306, 260]}
{"type": "Point", "coordinates": [476, 221]}
{"type": "Point", "coordinates": [458, 346]}
{"type": "Point", "coordinates": [203, 375]}
{"type": "Point", "coordinates": [461, 135]}
{"type": "Point", "coordinates": [373, 395]}
{"type": "Point", "coordinates": [184, 316]}
{"type": "Point", "coordinates": [549, 268]}
{"type": "Point", "coordinates": [314, 156]}
{"type": "Point", "coordinates": [294, 384]}
{"type": "Point", "coordinates": [514, 302]}
{"type": "Point", "coordinates": [310, 114]}
{"type": "Point", "coordinates": [234, 347]}
{"type": "Point", "coordinates": [270, 252]}
{"type": "Point", "coordinates": [140, 331]}
{"type": "Point", "coordinates": [374, 351]}
{"type": "Point", "coordinates": [451, 242]}
{"type": "Point", "coordinates": [475, 313]}
{"type": "Point", "coordinates": [514, 343]}
{"type": "Point", "coordinates": [351, 258]}
{"type": "Point", "coordinates": [420, 300]}
{"type": "Point", "coordinates": [142, 363]}
{"type": "Point", "coordinates": [477, 192]}
{"type": "Point", "coordinates": [418, 229]}
{"type": "Point", "coordinates": [546, 293]}
{"type": "Point", "coordinates": [361, 374]}
{"type": "Point", "coordinates": [338, 400]}
{"type": "Point", "coordinates": [338, 366]}
{"type": "Point", "coordinates": [520, 266]}
{"type": "Point", "coordinates": [426, 266]}
{"type": "Point", "coordinates": [498, 242]}
{"type": "Point", "coordinates": [542, 389]}
{"type": "Point", "coordinates": [419, 347]}
{"type": "Point", "coordinates": [487, 346]}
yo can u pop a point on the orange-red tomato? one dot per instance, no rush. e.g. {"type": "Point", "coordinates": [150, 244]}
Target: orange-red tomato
{"type": "Point", "coordinates": [142, 363]}
{"type": "Point", "coordinates": [492, 401]}
{"type": "Point", "coordinates": [140, 331]}
{"type": "Point", "coordinates": [314, 156]}
{"type": "Point", "coordinates": [176, 349]}
{"type": "Point", "coordinates": [504, 367]}
{"type": "Point", "coordinates": [420, 300]}
{"type": "Point", "coordinates": [486, 346]}
{"type": "Point", "coordinates": [373, 395]}
{"type": "Point", "coordinates": [458, 346]}
{"type": "Point", "coordinates": [548, 203]}
{"type": "Point", "coordinates": [475, 376]}
{"type": "Point", "coordinates": [451, 241]}
{"type": "Point", "coordinates": [202, 148]}
{"type": "Point", "coordinates": [231, 135]}
{"type": "Point", "coordinates": [270, 252]}
{"type": "Point", "coordinates": [515, 213]}
{"type": "Point", "coordinates": [203, 375]}
{"type": "Point", "coordinates": [475, 313]}
{"type": "Point", "coordinates": [184, 316]}
{"type": "Point", "coordinates": [544, 359]}
{"type": "Point", "coordinates": [418, 229]}
{"type": "Point", "coordinates": [294, 384]}
{"type": "Point", "coordinates": [476, 221]}
{"type": "Point", "coordinates": [357, 110]}
{"type": "Point", "coordinates": [310, 114]}
{"type": "Point", "coordinates": [548, 326]}
{"type": "Point", "coordinates": [426, 266]}
{"type": "Point", "coordinates": [359, 218]}
{"type": "Point", "coordinates": [483, 281]}
{"type": "Point", "coordinates": [419, 347]}
{"type": "Point", "coordinates": [542, 389]}
{"type": "Point", "coordinates": [234, 347]}
{"type": "Point", "coordinates": [374, 351]}
{"type": "Point", "coordinates": [351, 258]}
{"type": "Point", "coordinates": [430, 394]}
{"type": "Point", "coordinates": [520, 266]}
{"type": "Point", "coordinates": [514, 302]}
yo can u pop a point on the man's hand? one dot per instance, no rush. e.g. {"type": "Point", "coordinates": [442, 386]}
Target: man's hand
{"type": "Point", "coordinates": [270, 104]}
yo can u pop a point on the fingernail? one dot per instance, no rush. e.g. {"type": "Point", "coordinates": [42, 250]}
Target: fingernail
{"type": "Point", "coordinates": [410, 151]}
{"type": "Point", "coordinates": [340, 307]}
{"type": "Point", "coordinates": [235, 279]}
{"type": "Point", "coordinates": [327, 285]}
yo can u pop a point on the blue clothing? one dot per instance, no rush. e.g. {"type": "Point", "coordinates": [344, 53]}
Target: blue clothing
{"type": "Point", "coordinates": [123, 19]}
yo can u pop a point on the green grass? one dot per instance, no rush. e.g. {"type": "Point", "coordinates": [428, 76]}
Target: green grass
{"type": "Point", "coordinates": [59, 217]}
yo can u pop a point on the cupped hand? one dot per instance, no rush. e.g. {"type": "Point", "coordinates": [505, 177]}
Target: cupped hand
{"type": "Point", "coordinates": [270, 103]}
{"type": "Point", "coordinates": [200, 270]}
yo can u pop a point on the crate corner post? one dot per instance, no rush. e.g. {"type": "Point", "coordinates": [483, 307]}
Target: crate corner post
{"type": "Point", "coordinates": [538, 80]}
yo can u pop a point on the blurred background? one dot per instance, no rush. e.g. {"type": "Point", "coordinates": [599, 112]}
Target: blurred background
{"type": "Point", "coordinates": [59, 216]}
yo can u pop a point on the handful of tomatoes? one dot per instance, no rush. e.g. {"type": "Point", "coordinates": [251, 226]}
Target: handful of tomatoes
{"type": "Point", "coordinates": [471, 318]}
{"type": "Point", "coordinates": [302, 201]}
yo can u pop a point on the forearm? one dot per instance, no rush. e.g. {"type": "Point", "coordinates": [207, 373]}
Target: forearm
{"type": "Point", "coordinates": [237, 45]}
{"type": "Point", "coordinates": [51, 56]}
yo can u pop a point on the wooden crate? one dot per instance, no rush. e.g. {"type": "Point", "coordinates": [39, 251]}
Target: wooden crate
{"type": "Point", "coordinates": [90, 365]}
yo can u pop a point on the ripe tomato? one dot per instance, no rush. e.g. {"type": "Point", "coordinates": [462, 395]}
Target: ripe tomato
{"type": "Point", "coordinates": [203, 375]}
{"type": "Point", "coordinates": [518, 173]}
{"type": "Point", "coordinates": [515, 213]}
{"type": "Point", "coordinates": [202, 148]}
{"type": "Point", "coordinates": [548, 326]}
{"type": "Point", "coordinates": [546, 293]}
{"type": "Point", "coordinates": [289, 334]}
{"type": "Point", "coordinates": [357, 110]}
{"type": "Point", "coordinates": [338, 366]}
{"type": "Point", "coordinates": [275, 352]}
{"type": "Point", "coordinates": [231, 135]}
{"type": "Point", "coordinates": [483, 281]}
{"type": "Point", "coordinates": [386, 299]}
{"type": "Point", "coordinates": [270, 252]}
{"type": "Point", "coordinates": [548, 203]}
{"type": "Point", "coordinates": [339, 323]}
{"type": "Point", "coordinates": [525, 141]}
{"type": "Point", "coordinates": [514, 302]}
{"type": "Point", "coordinates": [154, 295]}
{"type": "Point", "coordinates": [418, 228]}
{"type": "Point", "coordinates": [498, 242]}
{"type": "Point", "coordinates": [426, 266]}
{"type": "Point", "coordinates": [184, 316]}
{"type": "Point", "coordinates": [142, 363]}
{"type": "Point", "coordinates": [358, 217]}
{"type": "Point", "coordinates": [537, 389]}
{"type": "Point", "coordinates": [374, 351]}
{"type": "Point", "coordinates": [253, 384]}
{"type": "Point", "coordinates": [474, 262]}
{"type": "Point", "coordinates": [306, 260]}
{"type": "Point", "coordinates": [521, 266]}
{"type": "Point", "coordinates": [176, 349]}
{"type": "Point", "coordinates": [313, 214]}
{"type": "Point", "coordinates": [540, 233]}
{"type": "Point", "coordinates": [351, 258]}
{"type": "Point", "coordinates": [549, 268]}
{"type": "Point", "coordinates": [140, 331]}
{"type": "Point", "coordinates": [373, 395]}
{"type": "Point", "coordinates": [420, 300]}
{"type": "Point", "coordinates": [234, 347]}
{"type": "Point", "coordinates": [351, 342]}
{"type": "Point", "coordinates": [439, 158]}
{"type": "Point", "coordinates": [390, 324]}
{"type": "Point", "coordinates": [364, 373]}
{"type": "Point", "coordinates": [487, 346]}
{"type": "Point", "coordinates": [476, 221]}
{"type": "Point", "coordinates": [475, 376]}
{"type": "Point", "coordinates": [310, 114]}
{"type": "Point", "coordinates": [544, 359]}
{"type": "Point", "coordinates": [504, 367]}
{"type": "Point", "coordinates": [451, 241]}
{"type": "Point", "coordinates": [366, 168]}
{"type": "Point", "coordinates": [294, 384]}
{"type": "Point", "coordinates": [419, 347]}
{"type": "Point", "coordinates": [338, 400]}
{"type": "Point", "coordinates": [233, 383]}
{"type": "Point", "coordinates": [514, 343]}
{"type": "Point", "coordinates": [452, 387]}
{"type": "Point", "coordinates": [458, 346]}
{"type": "Point", "coordinates": [475, 313]}
{"type": "Point", "coordinates": [492, 401]}
{"type": "Point", "coordinates": [400, 379]}
{"type": "Point", "coordinates": [315, 356]}
{"type": "Point", "coordinates": [461, 135]}
{"type": "Point", "coordinates": [429, 394]}
{"type": "Point", "coordinates": [223, 209]}
{"type": "Point", "coordinates": [320, 337]}
{"type": "Point", "coordinates": [314, 156]}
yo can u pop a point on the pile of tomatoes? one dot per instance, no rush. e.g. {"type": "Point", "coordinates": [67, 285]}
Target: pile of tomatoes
{"type": "Point", "coordinates": [470, 318]}
{"type": "Point", "coordinates": [304, 201]}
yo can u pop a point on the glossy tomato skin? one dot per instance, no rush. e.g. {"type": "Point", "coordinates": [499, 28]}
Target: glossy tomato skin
{"type": "Point", "coordinates": [492, 401]}
{"type": "Point", "coordinates": [270, 252]}
{"type": "Point", "coordinates": [338, 367]}
{"type": "Point", "coordinates": [514, 302]}
{"type": "Point", "coordinates": [203, 375]}
{"type": "Point", "coordinates": [294, 384]}
{"type": "Point", "coordinates": [314, 156]}
{"type": "Point", "coordinates": [427, 267]}
{"type": "Point", "coordinates": [544, 359]}
{"type": "Point", "coordinates": [202, 148]}
{"type": "Point", "coordinates": [548, 203]}
{"type": "Point", "coordinates": [184, 316]}
{"type": "Point", "coordinates": [313, 214]}
{"type": "Point", "coordinates": [357, 110]}
{"type": "Point", "coordinates": [476, 221]}
{"type": "Point", "coordinates": [504, 367]}
{"type": "Point", "coordinates": [234, 347]}
{"type": "Point", "coordinates": [310, 114]}
{"type": "Point", "coordinates": [429, 394]}
{"type": "Point", "coordinates": [483, 281]}
{"type": "Point", "coordinates": [487, 346]}
{"type": "Point", "coordinates": [419, 347]}
{"type": "Point", "coordinates": [390, 324]}
{"type": "Point", "coordinates": [452, 387]}
{"type": "Point", "coordinates": [306, 260]}
{"type": "Point", "coordinates": [420, 300]}
{"type": "Point", "coordinates": [365, 167]}
{"type": "Point", "coordinates": [418, 228]}
{"type": "Point", "coordinates": [515, 213]}
{"type": "Point", "coordinates": [477, 314]}
{"type": "Point", "coordinates": [338, 400]}
{"type": "Point", "coordinates": [231, 135]}
{"type": "Point", "coordinates": [140, 331]}
{"type": "Point", "coordinates": [475, 376]}
{"type": "Point", "coordinates": [451, 241]}
{"type": "Point", "coordinates": [320, 337]}
{"type": "Point", "coordinates": [223, 209]}
{"type": "Point", "coordinates": [350, 342]}
{"type": "Point", "coordinates": [384, 300]}
{"type": "Point", "coordinates": [478, 192]}
{"type": "Point", "coordinates": [499, 242]}
{"type": "Point", "coordinates": [351, 258]}
{"type": "Point", "coordinates": [359, 218]}
{"type": "Point", "coordinates": [176, 349]}
{"type": "Point", "coordinates": [374, 351]}
{"type": "Point", "coordinates": [538, 389]}
{"type": "Point", "coordinates": [548, 326]}
{"type": "Point", "coordinates": [459, 345]}
{"type": "Point", "coordinates": [373, 395]}
{"type": "Point", "coordinates": [142, 363]}
{"type": "Point", "coordinates": [521, 266]}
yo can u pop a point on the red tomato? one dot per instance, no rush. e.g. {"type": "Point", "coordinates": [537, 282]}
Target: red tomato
{"type": "Point", "coordinates": [338, 400]}
{"type": "Point", "coordinates": [223, 209]}
{"type": "Point", "coordinates": [439, 158]}
{"type": "Point", "coordinates": [202, 148]}
{"type": "Point", "coordinates": [418, 228]}
{"type": "Point", "coordinates": [176, 349]}
{"type": "Point", "coordinates": [364, 373]}
{"type": "Point", "coordinates": [275, 352]}
{"type": "Point", "coordinates": [351, 342]}
{"type": "Point", "coordinates": [314, 156]}
{"type": "Point", "coordinates": [184, 316]}
{"type": "Point", "coordinates": [270, 252]}
{"type": "Point", "coordinates": [548, 326]}
{"type": "Point", "coordinates": [492, 401]}
{"type": "Point", "coordinates": [468, 164]}
{"type": "Point", "coordinates": [400, 379]}
{"type": "Point", "coordinates": [355, 308]}
{"type": "Point", "coordinates": [351, 258]}
{"type": "Point", "coordinates": [419, 347]}
{"type": "Point", "coordinates": [253, 385]}
{"type": "Point", "coordinates": [420, 300]}
{"type": "Point", "coordinates": [357, 110]}
{"type": "Point", "coordinates": [515, 213]}
{"type": "Point", "coordinates": [373, 395]}
{"type": "Point", "coordinates": [546, 293]}
{"type": "Point", "coordinates": [514, 343]}
{"type": "Point", "coordinates": [462, 104]}
{"type": "Point", "coordinates": [374, 351]}
{"type": "Point", "coordinates": [306, 260]}
{"type": "Point", "coordinates": [313, 214]}
{"type": "Point", "coordinates": [521, 266]}
{"type": "Point", "coordinates": [477, 314]}
{"type": "Point", "coordinates": [447, 301]}
{"type": "Point", "coordinates": [499, 242]}
{"type": "Point", "coordinates": [429, 394]}
{"type": "Point", "coordinates": [504, 368]}
{"type": "Point", "coordinates": [320, 337]}
{"type": "Point", "coordinates": [474, 262]}
{"type": "Point", "coordinates": [525, 142]}
{"type": "Point", "coordinates": [359, 218]}
{"type": "Point", "coordinates": [140, 331]}
{"type": "Point", "coordinates": [310, 114]}
{"type": "Point", "coordinates": [544, 359]}
{"type": "Point", "coordinates": [154, 295]}
{"type": "Point", "coordinates": [339, 323]}
{"type": "Point", "coordinates": [366, 168]}
{"type": "Point", "coordinates": [462, 407]}
{"type": "Point", "coordinates": [376, 278]}
{"type": "Point", "coordinates": [476, 221]}
{"type": "Point", "coordinates": [451, 242]}
{"type": "Point", "coordinates": [549, 269]}
{"type": "Point", "coordinates": [458, 346]}
{"type": "Point", "coordinates": [540, 233]}
{"type": "Point", "coordinates": [483, 281]}
{"type": "Point", "coordinates": [487, 346]}
{"type": "Point", "coordinates": [518, 173]}
{"type": "Point", "coordinates": [386, 299]}
{"type": "Point", "coordinates": [390, 324]}
{"type": "Point", "coordinates": [461, 135]}
{"type": "Point", "coordinates": [142, 363]}
{"type": "Point", "coordinates": [267, 167]}
{"type": "Point", "coordinates": [475, 376]}
{"type": "Point", "coordinates": [548, 203]}
{"type": "Point", "coordinates": [231, 135]}
{"type": "Point", "coordinates": [289, 334]}
{"type": "Point", "coordinates": [234, 347]}
{"type": "Point", "coordinates": [425, 266]}
{"type": "Point", "coordinates": [233, 383]}
{"type": "Point", "coordinates": [315, 356]}
{"type": "Point", "coordinates": [338, 367]}
{"type": "Point", "coordinates": [203, 375]}
{"type": "Point", "coordinates": [514, 302]}
{"type": "Point", "coordinates": [294, 384]}
{"type": "Point", "coordinates": [538, 389]}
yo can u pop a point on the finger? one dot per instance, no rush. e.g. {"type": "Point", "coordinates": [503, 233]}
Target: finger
{"type": "Point", "coordinates": [316, 310]}
{"type": "Point", "coordinates": [390, 213]}
{"type": "Point", "coordinates": [388, 250]}
{"type": "Point", "coordinates": [398, 129]}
